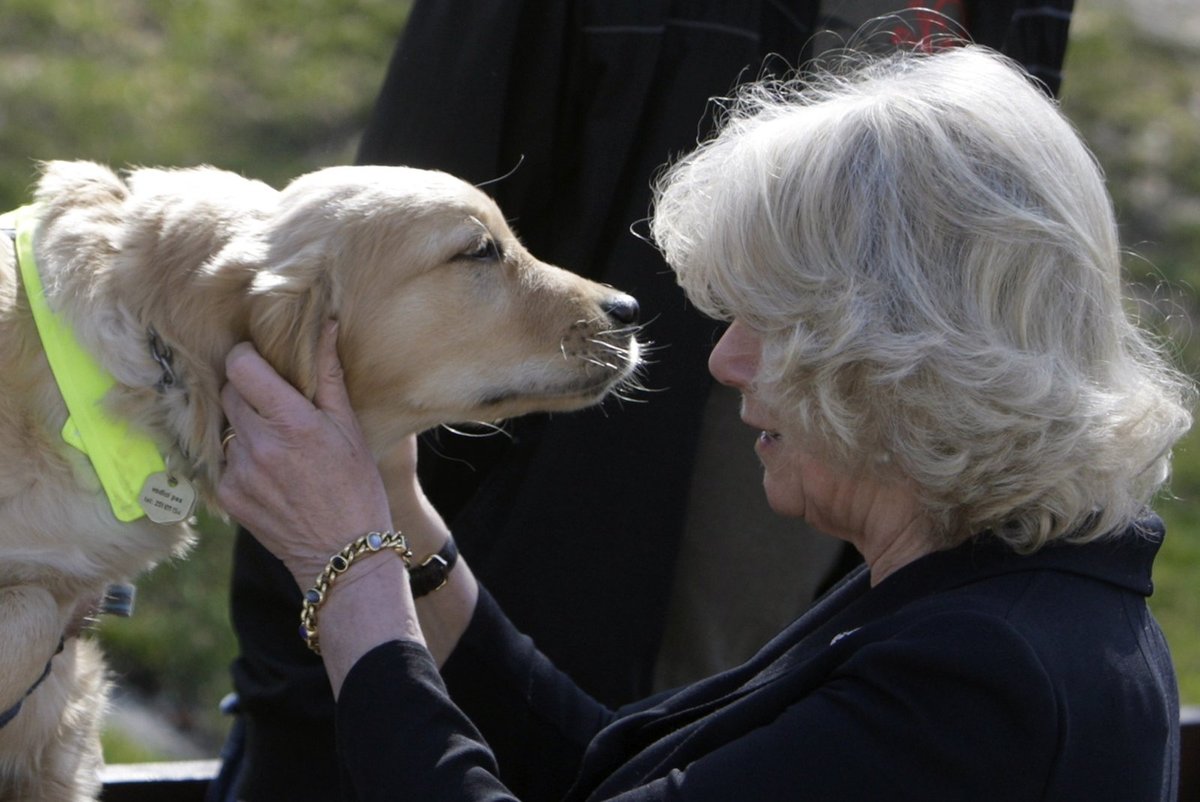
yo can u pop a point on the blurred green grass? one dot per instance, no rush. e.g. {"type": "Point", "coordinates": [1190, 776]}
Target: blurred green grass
{"type": "Point", "coordinates": [1137, 102]}
{"type": "Point", "coordinates": [275, 88]}
{"type": "Point", "coordinates": [270, 89]}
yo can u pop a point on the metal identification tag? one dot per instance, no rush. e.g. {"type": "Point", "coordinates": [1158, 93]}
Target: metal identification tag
{"type": "Point", "coordinates": [167, 499]}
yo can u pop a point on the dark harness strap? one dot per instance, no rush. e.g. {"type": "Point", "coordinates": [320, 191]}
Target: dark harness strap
{"type": "Point", "coordinates": [11, 713]}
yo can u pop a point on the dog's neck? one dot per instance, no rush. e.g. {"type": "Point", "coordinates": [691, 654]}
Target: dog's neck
{"type": "Point", "coordinates": [163, 337]}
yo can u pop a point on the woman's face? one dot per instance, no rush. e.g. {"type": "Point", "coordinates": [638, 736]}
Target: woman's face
{"type": "Point", "coordinates": [883, 520]}
{"type": "Point", "coordinates": [795, 481]}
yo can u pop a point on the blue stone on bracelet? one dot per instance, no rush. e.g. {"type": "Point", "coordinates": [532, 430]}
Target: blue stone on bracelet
{"type": "Point", "coordinates": [312, 596]}
{"type": "Point", "coordinates": [338, 562]}
{"type": "Point", "coordinates": [374, 541]}
{"type": "Point", "coordinates": [303, 632]}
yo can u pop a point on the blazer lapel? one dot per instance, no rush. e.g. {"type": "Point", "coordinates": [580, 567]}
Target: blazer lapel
{"type": "Point", "coordinates": [652, 732]}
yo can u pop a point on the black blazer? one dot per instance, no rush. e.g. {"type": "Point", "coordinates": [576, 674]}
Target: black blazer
{"type": "Point", "coordinates": [972, 674]}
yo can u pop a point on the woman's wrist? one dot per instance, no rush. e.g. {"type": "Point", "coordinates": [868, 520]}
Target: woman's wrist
{"type": "Point", "coordinates": [370, 607]}
{"type": "Point", "coordinates": [445, 613]}
{"type": "Point", "coordinates": [341, 565]}
{"type": "Point", "coordinates": [426, 532]}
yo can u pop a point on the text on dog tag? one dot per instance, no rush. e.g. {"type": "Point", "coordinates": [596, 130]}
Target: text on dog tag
{"type": "Point", "coordinates": [167, 499]}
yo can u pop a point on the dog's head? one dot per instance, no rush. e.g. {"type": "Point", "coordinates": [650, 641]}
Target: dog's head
{"type": "Point", "coordinates": [444, 315]}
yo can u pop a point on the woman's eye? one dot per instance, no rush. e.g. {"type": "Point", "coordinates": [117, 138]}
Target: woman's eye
{"type": "Point", "coordinates": [485, 250]}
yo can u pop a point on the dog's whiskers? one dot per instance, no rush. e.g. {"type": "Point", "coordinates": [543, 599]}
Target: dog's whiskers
{"type": "Point", "coordinates": [488, 430]}
{"type": "Point", "coordinates": [619, 350]}
{"type": "Point", "coordinates": [623, 331]}
{"type": "Point", "coordinates": [591, 360]}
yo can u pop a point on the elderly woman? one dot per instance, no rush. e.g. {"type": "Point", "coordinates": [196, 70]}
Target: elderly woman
{"type": "Point", "coordinates": [920, 266]}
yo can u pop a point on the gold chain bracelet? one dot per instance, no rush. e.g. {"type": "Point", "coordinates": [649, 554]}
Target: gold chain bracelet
{"type": "Point", "coordinates": [339, 563]}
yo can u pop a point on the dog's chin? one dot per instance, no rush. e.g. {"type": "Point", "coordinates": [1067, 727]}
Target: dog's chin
{"type": "Point", "coordinates": [384, 426]}
{"type": "Point", "coordinates": [508, 403]}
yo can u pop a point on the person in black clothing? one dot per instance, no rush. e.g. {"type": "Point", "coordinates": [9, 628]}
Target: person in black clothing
{"type": "Point", "coordinates": [927, 327]}
{"type": "Point", "coordinates": [565, 111]}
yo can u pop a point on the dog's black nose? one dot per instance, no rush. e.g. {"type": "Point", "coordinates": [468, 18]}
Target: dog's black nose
{"type": "Point", "coordinates": [622, 308]}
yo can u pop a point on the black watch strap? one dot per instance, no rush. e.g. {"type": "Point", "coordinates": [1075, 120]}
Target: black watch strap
{"type": "Point", "coordinates": [434, 570]}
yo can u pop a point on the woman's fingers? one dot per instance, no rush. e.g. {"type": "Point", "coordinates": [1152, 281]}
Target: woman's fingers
{"type": "Point", "coordinates": [264, 390]}
{"type": "Point", "coordinates": [239, 413]}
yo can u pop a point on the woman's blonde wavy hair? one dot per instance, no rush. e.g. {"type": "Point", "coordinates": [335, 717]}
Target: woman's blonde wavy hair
{"type": "Point", "coordinates": [930, 253]}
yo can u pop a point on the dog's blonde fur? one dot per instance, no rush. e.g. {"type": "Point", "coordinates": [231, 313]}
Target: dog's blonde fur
{"type": "Point", "coordinates": [444, 317]}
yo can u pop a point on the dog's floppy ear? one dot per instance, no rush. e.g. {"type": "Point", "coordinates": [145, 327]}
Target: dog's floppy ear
{"type": "Point", "coordinates": [294, 286]}
{"type": "Point", "coordinates": [292, 301]}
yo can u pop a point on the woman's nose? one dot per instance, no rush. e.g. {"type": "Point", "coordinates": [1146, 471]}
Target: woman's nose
{"type": "Point", "coordinates": [734, 360]}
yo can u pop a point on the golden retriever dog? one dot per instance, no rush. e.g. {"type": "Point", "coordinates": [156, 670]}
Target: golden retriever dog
{"type": "Point", "coordinates": [444, 317]}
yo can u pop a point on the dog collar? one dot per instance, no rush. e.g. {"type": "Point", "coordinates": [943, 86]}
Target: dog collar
{"type": "Point", "coordinates": [123, 460]}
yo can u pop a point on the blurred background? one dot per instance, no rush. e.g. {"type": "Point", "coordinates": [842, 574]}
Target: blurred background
{"type": "Point", "coordinates": [276, 88]}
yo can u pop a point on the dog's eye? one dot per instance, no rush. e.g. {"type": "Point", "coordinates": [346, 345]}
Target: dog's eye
{"type": "Point", "coordinates": [486, 250]}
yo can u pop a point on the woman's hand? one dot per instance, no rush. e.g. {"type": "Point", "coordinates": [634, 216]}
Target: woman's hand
{"type": "Point", "coordinates": [298, 474]}
{"type": "Point", "coordinates": [300, 477]}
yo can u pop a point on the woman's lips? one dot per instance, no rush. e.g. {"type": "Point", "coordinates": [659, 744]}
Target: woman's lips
{"type": "Point", "coordinates": [766, 435]}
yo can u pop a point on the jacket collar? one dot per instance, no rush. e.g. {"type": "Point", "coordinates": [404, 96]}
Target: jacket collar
{"type": "Point", "coordinates": [1122, 558]}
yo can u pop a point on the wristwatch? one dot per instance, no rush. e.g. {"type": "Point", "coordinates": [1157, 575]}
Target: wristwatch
{"type": "Point", "coordinates": [434, 570]}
